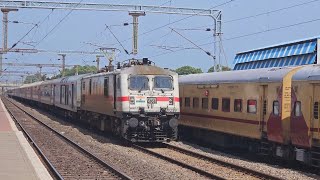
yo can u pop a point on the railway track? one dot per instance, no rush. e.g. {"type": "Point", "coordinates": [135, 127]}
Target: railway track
{"type": "Point", "coordinates": [204, 165]}
{"type": "Point", "coordinates": [65, 158]}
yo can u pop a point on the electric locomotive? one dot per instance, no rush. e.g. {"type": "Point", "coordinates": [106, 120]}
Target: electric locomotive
{"type": "Point", "coordinates": [137, 101]}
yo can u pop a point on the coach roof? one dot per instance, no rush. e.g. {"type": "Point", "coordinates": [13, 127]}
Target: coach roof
{"type": "Point", "coordinates": [254, 75]}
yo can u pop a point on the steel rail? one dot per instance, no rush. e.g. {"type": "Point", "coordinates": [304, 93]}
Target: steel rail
{"type": "Point", "coordinates": [102, 162]}
{"type": "Point", "coordinates": [34, 144]}
{"type": "Point", "coordinates": [179, 163]}
{"type": "Point", "coordinates": [223, 163]}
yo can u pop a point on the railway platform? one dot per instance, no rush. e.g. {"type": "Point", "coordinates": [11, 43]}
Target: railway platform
{"type": "Point", "coordinates": [17, 158]}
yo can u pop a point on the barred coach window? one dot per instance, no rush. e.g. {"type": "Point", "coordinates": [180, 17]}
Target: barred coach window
{"type": "Point", "coordinates": [195, 102]}
{"type": "Point", "coordinates": [252, 106]}
{"type": "Point", "coordinates": [226, 104]}
{"type": "Point", "coordinates": [205, 103]}
{"type": "Point", "coordinates": [297, 108]}
{"type": "Point", "coordinates": [187, 102]}
{"type": "Point", "coordinates": [215, 104]}
{"type": "Point", "coordinates": [276, 108]}
{"type": "Point", "coordinates": [237, 105]}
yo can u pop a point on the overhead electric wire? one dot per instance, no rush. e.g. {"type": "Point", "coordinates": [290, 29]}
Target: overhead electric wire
{"type": "Point", "coordinates": [117, 40]}
{"type": "Point", "coordinates": [179, 20]}
{"type": "Point", "coordinates": [36, 25]}
{"type": "Point", "coordinates": [245, 35]}
{"type": "Point", "coordinates": [58, 24]}
{"type": "Point", "coordinates": [260, 14]}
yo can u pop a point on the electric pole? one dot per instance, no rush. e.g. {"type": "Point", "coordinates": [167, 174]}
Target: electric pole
{"type": "Point", "coordinates": [63, 63]}
{"type": "Point", "coordinates": [5, 12]}
{"type": "Point", "coordinates": [135, 16]}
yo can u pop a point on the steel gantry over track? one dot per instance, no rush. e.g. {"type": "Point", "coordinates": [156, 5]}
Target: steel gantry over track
{"type": "Point", "coordinates": [132, 9]}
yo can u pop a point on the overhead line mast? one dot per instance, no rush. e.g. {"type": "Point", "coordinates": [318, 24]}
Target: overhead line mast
{"type": "Point", "coordinates": [134, 10]}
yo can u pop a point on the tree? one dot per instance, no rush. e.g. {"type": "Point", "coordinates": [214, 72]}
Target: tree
{"type": "Point", "coordinates": [184, 70]}
{"type": "Point", "coordinates": [34, 78]}
{"type": "Point", "coordinates": [217, 69]}
{"type": "Point", "coordinates": [81, 70]}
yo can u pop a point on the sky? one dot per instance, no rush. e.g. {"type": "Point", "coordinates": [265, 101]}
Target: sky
{"type": "Point", "coordinates": [246, 25]}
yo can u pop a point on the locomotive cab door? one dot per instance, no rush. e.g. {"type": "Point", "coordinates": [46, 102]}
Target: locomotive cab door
{"type": "Point", "coordinates": [115, 92]}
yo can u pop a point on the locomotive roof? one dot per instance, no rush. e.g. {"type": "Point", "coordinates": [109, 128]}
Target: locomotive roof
{"type": "Point", "coordinates": [241, 76]}
{"type": "Point", "coordinates": [137, 69]}
{"type": "Point", "coordinates": [145, 69]}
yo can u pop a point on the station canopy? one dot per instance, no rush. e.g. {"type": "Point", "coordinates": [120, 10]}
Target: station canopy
{"type": "Point", "coordinates": [296, 53]}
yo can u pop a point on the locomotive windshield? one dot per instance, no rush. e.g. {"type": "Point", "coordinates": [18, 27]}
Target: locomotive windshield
{"type": "Point", "coordinates": [162, 82]}
{"type": "Point", "coordinates": [139, 83]}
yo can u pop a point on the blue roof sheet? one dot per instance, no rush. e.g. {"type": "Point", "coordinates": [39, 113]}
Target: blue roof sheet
{"type": "Point", "coordinates": [290, 54]}
{"type": "Point", "coordinates": [280, 62]}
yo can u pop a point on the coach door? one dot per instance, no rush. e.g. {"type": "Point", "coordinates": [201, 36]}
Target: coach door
{"type": "Point", "coordinates": [263, 104]}
{"type": "Point", "coordinates": [315, 111]}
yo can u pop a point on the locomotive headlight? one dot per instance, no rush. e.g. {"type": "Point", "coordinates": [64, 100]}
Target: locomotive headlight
{"type": "Point", "coordinates": [173, 123]}
{"type": "Point", "coordinates": [170, 100]}
{"type": "Point", "coordinates": [133, 122]}
{"type": "Point", "coordinates": [132, 100]}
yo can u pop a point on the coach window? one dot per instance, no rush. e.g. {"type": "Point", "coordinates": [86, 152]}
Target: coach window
{"type": "Point", "coordinates": [106, 87]}
{"type": "Point", "coordinates": [276, 108]}
{"type": "Point", "coordinates": [215, 104]}
{"type": "Point", "coordinates": [205, 102]}
{"type": "Point", "coordinates": [237, 105]}
{"type": "Point", "coordinates": [83, 86]}
{"type": "Point", "coordinates": [225, 104]}
{"type": "Point", "coordinates": [252, 106]}
{"type": "Point", "coordinates": [180, 101]}
{"type": "Point", "coordinates": [195, 102]}
{"type": "Point", "coordinates": [187, 102]}
{"type": "Point", "coordinates": [297, 108]}
{"type": "Point", "coordinates": [316, 110]}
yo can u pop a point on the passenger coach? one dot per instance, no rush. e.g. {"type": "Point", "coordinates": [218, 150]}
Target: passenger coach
{"type": "Point", "coordinates": [271, 111]}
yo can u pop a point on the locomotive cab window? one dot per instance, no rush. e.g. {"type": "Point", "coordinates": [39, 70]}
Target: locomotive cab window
{"type": "Point", "coordinates": [316, 110]}
{"type": "Point", "coordinates": [195, 102]}
{"type": "Point", "coordinates": [163, 83]}
{"type": "Point", "coordinates": [237, 105]}
{"type": "Point", "coordinates": [215, 104]}
{"type": "Point", "coordinates": [297, 108]}
{"type": "Point", "coordinates": [138, 83]}
{"type": "Point", "coordinates": [276, 108]}
{"type": "Point", "coordinates": [225, 104]}
{"type": "Point", "coordinates": [187, 102]}
{"type": "Point", "coordinates": [205, 103]}
{"type": "Point", "coordinates": [252, 106]}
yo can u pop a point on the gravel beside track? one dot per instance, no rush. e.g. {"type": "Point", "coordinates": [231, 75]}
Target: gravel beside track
{"type": "Point", "coordinates": [68, 160]}
{"type": "Point", "coordinates": [212, 168]}
{"type": "Point", "coordinates": [283, 173]}
{"type": "Point", "coordinates": [136, 164]}
{"type": "Point", "coordinates": [140, 165]}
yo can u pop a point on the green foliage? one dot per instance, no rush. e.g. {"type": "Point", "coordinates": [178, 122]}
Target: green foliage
{"type": "Point", "coordinates": [217, 69]}
{"type": "Point", "coordinates": [34, 78]}
{"type": "Point", "coordinates": [184, 70]}
{"type": "Point", "coordinates": [81, 70]}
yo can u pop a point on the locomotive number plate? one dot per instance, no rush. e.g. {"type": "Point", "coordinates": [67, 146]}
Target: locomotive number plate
{"type": "Point", "coordinates": [152, 100]}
